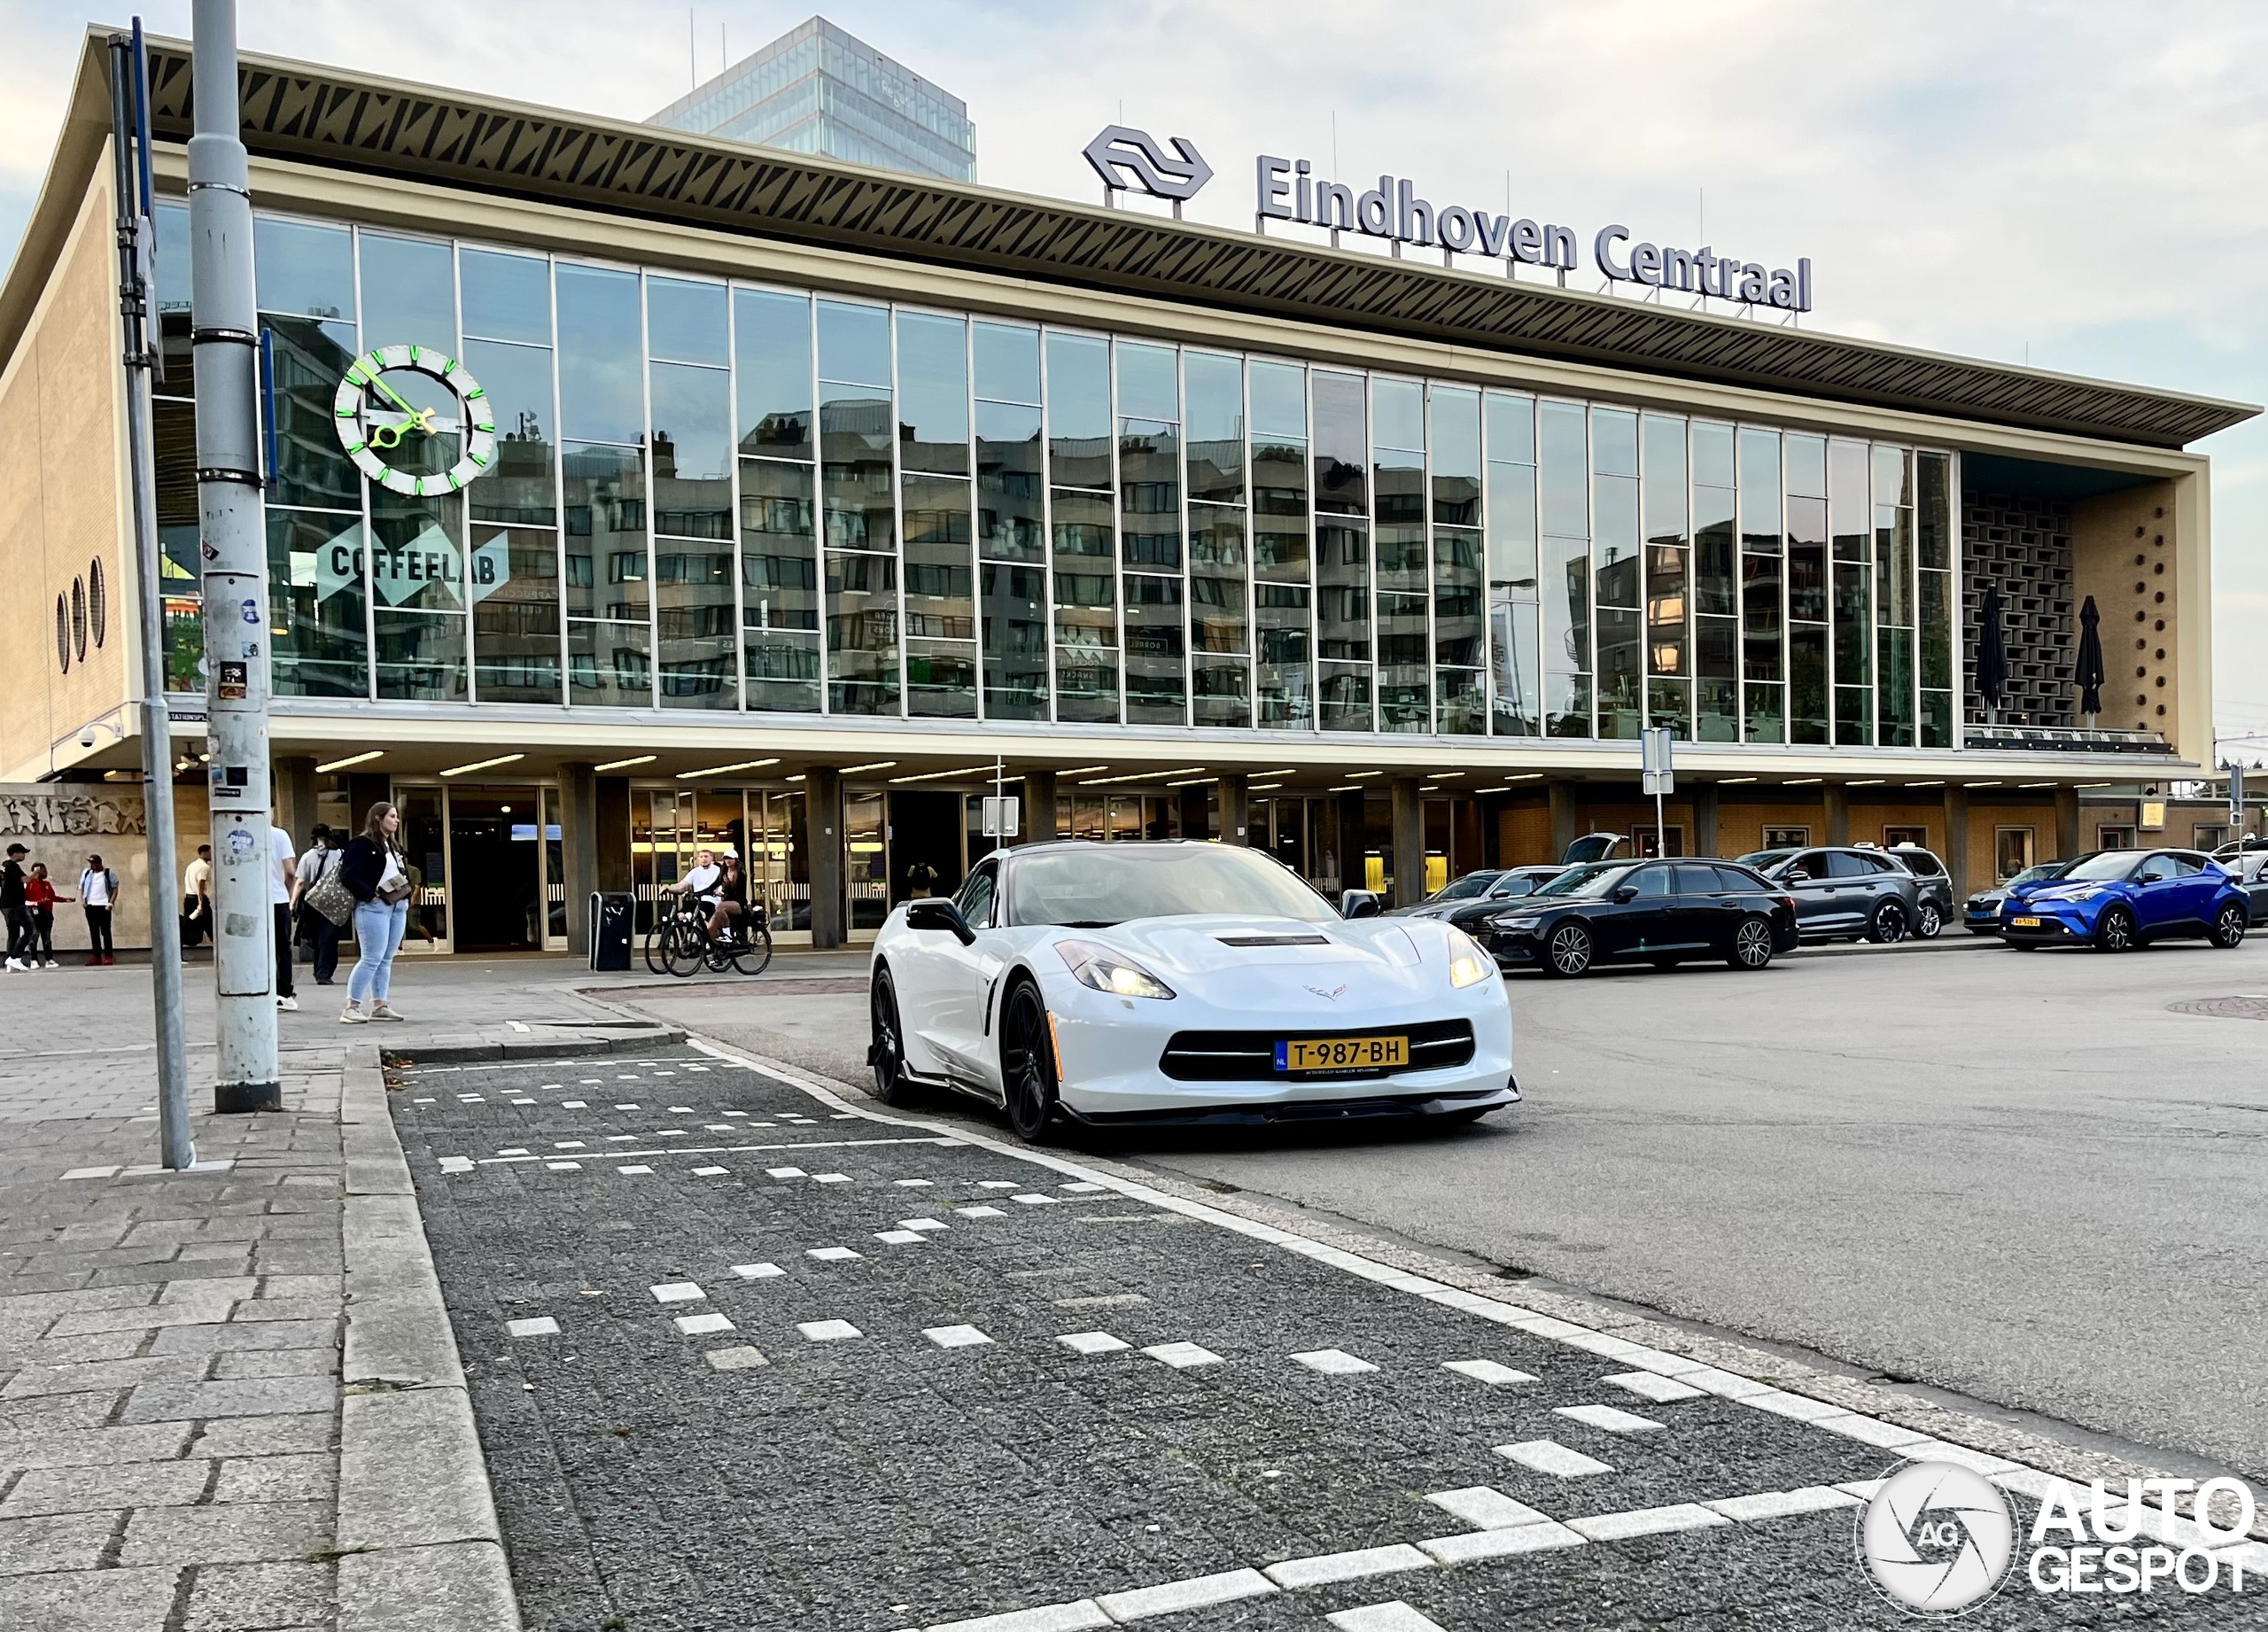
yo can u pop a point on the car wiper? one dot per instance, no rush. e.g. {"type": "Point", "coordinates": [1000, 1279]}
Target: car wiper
{"type": "Point", "coordinates": [1086, 923]}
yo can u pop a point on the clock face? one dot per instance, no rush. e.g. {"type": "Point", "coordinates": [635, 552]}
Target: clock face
{"type": "Point", "coordinates": [384, 434]}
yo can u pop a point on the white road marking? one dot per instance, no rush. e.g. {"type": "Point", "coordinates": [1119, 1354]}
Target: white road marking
{"type": "Point", "coordinates": [831, 1255]}
{"type": "Point", "coordinates": [676, 1292]}
{"type": "Point", "coordinates": [564, 1167]}
{"type": "Point", "coordinates": [1084, 1616]}
{"type": "Point", "coordinates": [828, 1331]}
{"type": "Point", "coordinates": [709, 1172]}
{"type": "Point", "coordinates": [1111, 1299]}
{"type": "Point", "coordinates": [1475, 1545]}
{"type": "Point", "coordinates": [625, 1107]}
{"type": "Point", "coordinates": [1662, 1390]}
{"type": "Point", "coordinates": [922, 1224]}
{"type": "Point", "coordinates": [1093, 1342]}
{"type": "Point", "coordinates": [979, 1212]}
{"type": "Point", "coordinates": [1395, 1616]}
{"type": "Point", "coordinates": [901, 1238]}
{"type": "Point", "coordinates": [783, 1172]}
{"type": "Point", "coordinates": [718, 1127]}
{"type": "Point", "coordinates": [698, 1325]}
{"type": "Point", "coordinates": [757, 1271]}
{"type": "Point", "coordinates": [108, 1172]}
{"type": "Point", "coordinates": [1871, 1431]}
{"type": "Point", "coordinates": [567, 1144]}
{"type": "Point", "coordinates": [1486, 1508]}
{"type": "Point", "coordinates": [741, 1357]}
{"type": "Point", "coordinates": [913, 1184]}
{"type": "Point", "coordinates": [830, 1178]}
{"type": "Point", "coordinates": [1606, 1417]}
{"type": "Point", "coordinates": [1488, 1372]}
{"type": "Point", "coordinates": [1083, 1187]}
{"type": "Point", "coordinates": [1036, 1201]}
{"type": "Point", "coordinates": [536, 1325]}
{"type": "Point", "coordinates": [520, 1025]}
{"type": "Point", "coordinates": [1647, 1521]}
{"type": "Point", "coordinates": [1181, 1356]}
{"type": "Point", "coordinates": [955, 1337]}
{"type": "Point", "coordinates": [676, 1110]}
{"type": "Point", "coordinates": [634, 1167]}
{"type": "Point", "coordinates": [1550, 1456]}
{"type": "Point", "coordinates": [1333, 1362]}
{"type": "Point", "coordinates": [1780, 1504]}
{"type": "Point", "coordinates": [1330, 1567]}
{"type": "Point", "coordinates": [427, 1101]}
{"type": "Point", "coordinates": [997, 1184]}
{"type": "Point", "coordinates": [456, 1164]}
{"type": "Point", "coordinates": [574, 1105]}
{"type": "Point", "coordinates": [516, 1150]}
{"type": "Point", "coordinates": [1196, 1592]}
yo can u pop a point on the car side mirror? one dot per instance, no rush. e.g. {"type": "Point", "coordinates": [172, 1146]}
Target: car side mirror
{"type": "Point", "coordinates": [939, 914]}
{"type": "Point", "coordinates": [1625, 893]}
{"type": "Point", "coordinates": [1796, 875]}
{"type": "Point", "coordinates": [1358, 904]}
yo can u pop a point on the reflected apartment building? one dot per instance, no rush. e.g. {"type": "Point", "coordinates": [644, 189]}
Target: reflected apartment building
{"type": "Point", "coordinates": [827, 502]}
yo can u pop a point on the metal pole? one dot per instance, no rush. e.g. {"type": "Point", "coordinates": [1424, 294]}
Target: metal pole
{"type": "Point", "coordinates": [137, 245]}
{"type": "Point", "coordinates": [231, 533]}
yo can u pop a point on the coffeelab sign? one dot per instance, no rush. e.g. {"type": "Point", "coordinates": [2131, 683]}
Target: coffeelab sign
{"type": "Point", "coordinates": [1288, 189]}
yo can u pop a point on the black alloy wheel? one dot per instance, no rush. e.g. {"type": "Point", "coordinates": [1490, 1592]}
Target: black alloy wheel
{"type": "Point", "coordinates": [886, 1053]}
{"type": "Point", "coordinates": [685, 947]}
{"type": "Point", "coordinates": [1751, 945]}
{"type": "Point", "coordinates": [752, 954]}
{"type": "Point", "coordinates": [2228, 927]}
{"type": "Point", "coordinates": [2116, 932]}
{"type": "Point", "coordinates": [1887, 927]}
{"type": "Point", "coordinates": [1028, 1064]}
{"type": "Point", "coordinates": [1568, 952]}
{"type": "Point", "coordinates": [1931, 922]}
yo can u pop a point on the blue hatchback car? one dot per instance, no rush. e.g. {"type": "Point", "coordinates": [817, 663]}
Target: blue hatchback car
{"type": "Point", "coordinates": [2115, 900]}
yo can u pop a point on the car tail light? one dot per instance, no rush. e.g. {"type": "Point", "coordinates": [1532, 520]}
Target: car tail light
{"type": "Point", "coordinates": [1789, 902]}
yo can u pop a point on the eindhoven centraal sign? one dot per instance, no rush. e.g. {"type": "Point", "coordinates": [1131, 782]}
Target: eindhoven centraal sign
{"type": "Point", "coordinates": [1288, 190]}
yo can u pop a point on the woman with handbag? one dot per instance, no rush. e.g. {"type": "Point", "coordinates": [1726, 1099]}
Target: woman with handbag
{"type": "Point", "coordinates": [376, 874]}
{"type": "Point", "coordinates": [318, 927]}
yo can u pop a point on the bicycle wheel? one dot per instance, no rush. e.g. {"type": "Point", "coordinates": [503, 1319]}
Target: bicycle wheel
{"type": "Point", "coordinates": [685, 948]}
{"type": "Point", "coordinates": [756, 957]}
{"type": "Point", "coordinates": [656, 964]}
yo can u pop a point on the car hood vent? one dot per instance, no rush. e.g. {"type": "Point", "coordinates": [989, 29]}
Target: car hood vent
{"type": "Point", "coordinates": [1273, 940]}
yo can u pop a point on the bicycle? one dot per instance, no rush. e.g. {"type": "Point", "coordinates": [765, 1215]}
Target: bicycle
{"type": "Point", "coordinates": [682, 946]}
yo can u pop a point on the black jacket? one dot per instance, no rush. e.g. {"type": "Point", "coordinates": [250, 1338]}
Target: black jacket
{"type": "Point", "coordinates": [361, 866]}
{"type": "Point", "coordinates": [12, 884]}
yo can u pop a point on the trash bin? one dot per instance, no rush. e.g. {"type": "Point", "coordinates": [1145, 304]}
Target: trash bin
{"type": "Point", "coordinates": [611, 917]}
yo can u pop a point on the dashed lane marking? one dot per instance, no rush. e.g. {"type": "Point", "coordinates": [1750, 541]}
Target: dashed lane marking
{"type": "Point", "coordinates": [1488, 1372]}
{"type": "Point", "coordinates": [1486, 1508]}
{"type": "Point", "coordinates": [828, 1331]}
{"type": "Point", "coordinates": [1550, 1456]}
{"type": "Point", "coordinates": [1333, 1362]}
{"type": "Point", "coordinates": [699, 1325]}
{"type": "Point", "coordinates": [676, 1292]}
{"type": "Point", "coordinates": [1393, 1616]}
{"type": "Point", "coordinates": [1606, 1417]}
{"type": "Point", "coordinates": [956, 1337]}
{"type": "Point", "coordinates": [1093, 1342]}
{"type": "Point", "coordinates": [538, 1325]}
{"type": "Point", "coordinates": [1181, 1357]}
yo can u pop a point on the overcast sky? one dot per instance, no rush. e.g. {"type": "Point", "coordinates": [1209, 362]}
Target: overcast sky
{"type": "Point", "coordinates": [2079, 184]}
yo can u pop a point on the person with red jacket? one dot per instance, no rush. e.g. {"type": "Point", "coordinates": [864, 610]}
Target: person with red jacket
{"type": "Point", "coordinates": [39, 900]}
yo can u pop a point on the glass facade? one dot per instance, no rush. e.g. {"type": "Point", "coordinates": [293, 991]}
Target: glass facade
{"type": "Point", "coordinates": [729, 498]}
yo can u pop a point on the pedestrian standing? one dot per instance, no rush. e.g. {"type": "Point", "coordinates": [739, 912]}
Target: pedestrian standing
{"type": "Point", "coordinates": [197, 896]}
{"type": "Point", "coordinates": [283, 889]}
{"type": "Point", "coordinates": [322, 934]}
{"type": "Point", "coordinates": [13, 904]}
{"type": "Point", "coordinates": [377, 876]}
{"type": "Point", "coordinates": [39, 900]}
{"type": "Point", "coordinates": [99, 896]}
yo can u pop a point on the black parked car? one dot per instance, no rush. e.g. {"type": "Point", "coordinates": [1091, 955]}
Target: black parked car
{"type": "Point", "coordinates": [1661, 912]}
{"type": "Point", "coordinates": [1844, 893]}
{"type": "Point", "coordinates": [1470, 909]}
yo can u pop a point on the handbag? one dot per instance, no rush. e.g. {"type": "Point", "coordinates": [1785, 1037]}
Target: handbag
{"type": "Point", "coordinates": [331, 897]}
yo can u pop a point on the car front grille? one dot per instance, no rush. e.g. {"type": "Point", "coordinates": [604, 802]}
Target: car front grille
{"type": "Point", "coordinates": [1250, 1056]}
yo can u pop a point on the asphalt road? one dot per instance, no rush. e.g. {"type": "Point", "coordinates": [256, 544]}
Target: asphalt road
{"type": "Point", "coordinates": [2021, 1178]}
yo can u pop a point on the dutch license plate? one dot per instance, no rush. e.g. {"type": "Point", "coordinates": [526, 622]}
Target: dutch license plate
{"type": "Point", "coordinates": [2025, 923]}
{"type": "Point", "coordinates": [1343, 1054]}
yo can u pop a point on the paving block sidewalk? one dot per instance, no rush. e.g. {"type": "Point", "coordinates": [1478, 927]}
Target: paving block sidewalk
{"type": "Point", "coordinates": [229, 1398]}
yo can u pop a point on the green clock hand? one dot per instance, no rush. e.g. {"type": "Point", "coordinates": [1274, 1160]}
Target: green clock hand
{"type": "Point", "coordinates": [393, 396]}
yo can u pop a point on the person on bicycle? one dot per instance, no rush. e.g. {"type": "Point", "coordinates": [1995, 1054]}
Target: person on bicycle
{"type": "Point", "coordinates": [698, 887]}
{"type": "Point", "coordinates": [730, 897]}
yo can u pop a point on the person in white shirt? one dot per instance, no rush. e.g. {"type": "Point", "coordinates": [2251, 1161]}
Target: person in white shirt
{"type": "Point", "coordinates": [197, 896]}
{"type": "Point", "coordinates": [320, 857]}
{"type": "Point", "coordinates": [282, 876]}
{"type": "Point", "coordinates": [701, 884]}
{"type": "Point", "coordinates": [98, 894]}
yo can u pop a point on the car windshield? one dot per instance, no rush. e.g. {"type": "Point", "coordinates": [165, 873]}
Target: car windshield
{"type": "Point", "coordinates": [2032, 875]}
{"type": "Point", "coordinates": [1097, 886]}
{"type": "Point", "coordinates": [1595, 880]}
{"type": "Point", "coordinates": [2102, 866]}
{"type": "Point", "coordinates": [1765, 860]}
{"type": "Point", "coordinates": [1471, 885]}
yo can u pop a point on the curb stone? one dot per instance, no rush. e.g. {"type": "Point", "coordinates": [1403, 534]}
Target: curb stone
{"type": "Point", "coordinates": [1794, 1377]}
{"type": "Point", "coordinates": [417, 1533]}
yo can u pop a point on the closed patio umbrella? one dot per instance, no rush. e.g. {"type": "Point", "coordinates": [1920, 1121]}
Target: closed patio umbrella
{"type": "Point", "coordinates": [1992, 659]}
{"type": "Point", "coordinates": [2086, 674]}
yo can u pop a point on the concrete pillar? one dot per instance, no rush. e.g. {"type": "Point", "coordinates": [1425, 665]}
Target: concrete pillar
{"type": "Point", "coordinates": [1236, 808]}
{"type": "Point", "coordinates": [823, 801]}
{"type": "Point", "coordinates": [295, 796]}
{"type": "Point", "coordinates": [2067, 823]}
{"type": "Point", "coordinates": [579, 848]}
{"type": "Point", "coordinates": [365, 789]}
{"type": "Point", "coordinates": [611, 843]}
{"type": "Point", "coordinates": [1704, 818]}
{"type": "Point", "coordinates": [1039, 806]}
{"type": "Point", "coordinates": [1562, 795]}
{"type": "Point", "coordinates": [1409, 842]}
{"type": "Point", "coordinates": [1956, 857]}
{"type": "Point", "coordinates": [1837, 799]}
{"type": "Point", "coordinates": [1196, 813]}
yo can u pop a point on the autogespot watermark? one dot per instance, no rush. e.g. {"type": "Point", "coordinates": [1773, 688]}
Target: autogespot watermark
{"type": "Point", "coordinates": [1939, 1539]}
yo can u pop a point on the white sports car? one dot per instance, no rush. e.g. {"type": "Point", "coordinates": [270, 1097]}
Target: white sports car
{"type": "Point", "coordinates": [1145, 983]}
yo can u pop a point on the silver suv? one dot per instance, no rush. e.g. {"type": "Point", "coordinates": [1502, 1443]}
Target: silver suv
{"type": "Point", "coordinates": [1934, 908]}
{"type": "Point", "coordinates": [1844, 893]}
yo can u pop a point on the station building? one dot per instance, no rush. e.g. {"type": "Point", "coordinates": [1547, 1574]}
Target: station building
{"type": "Point", "coordinates": [827, 500]}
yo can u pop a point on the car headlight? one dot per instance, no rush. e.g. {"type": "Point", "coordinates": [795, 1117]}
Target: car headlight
{"type": "Point", "coordinates": [1104, 970]}
{"type": "Point", "coordinates": [1469, 966]}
